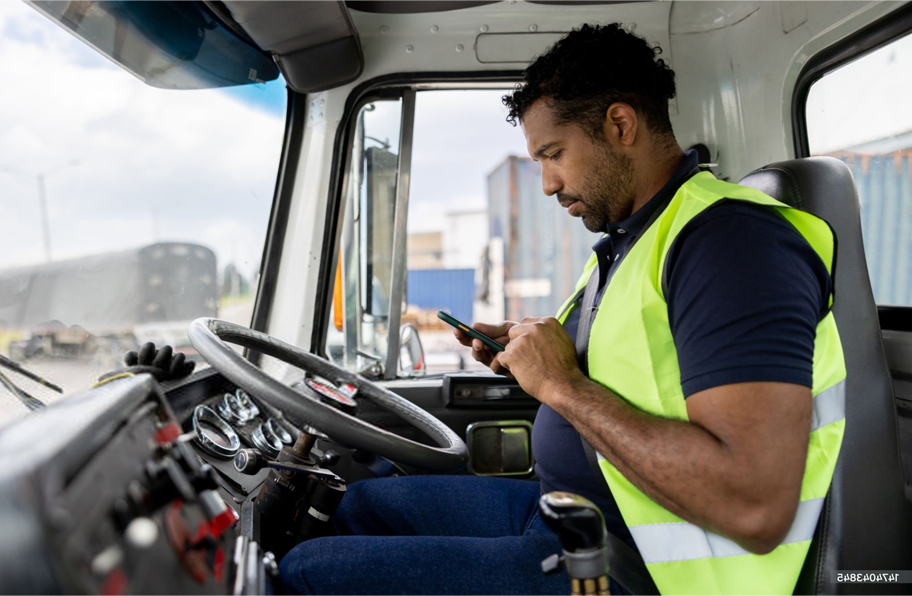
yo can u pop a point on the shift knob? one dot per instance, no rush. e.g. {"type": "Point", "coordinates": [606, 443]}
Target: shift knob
{"type": "Point", "coordinates": [577, 522]}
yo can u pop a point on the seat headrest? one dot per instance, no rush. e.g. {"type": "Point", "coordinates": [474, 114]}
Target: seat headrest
{"type": "Point", "coordinates": [808, 184]}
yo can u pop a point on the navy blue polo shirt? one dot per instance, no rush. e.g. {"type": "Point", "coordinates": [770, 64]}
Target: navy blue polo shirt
{"type": "Point", "coordinates": [745, 295]}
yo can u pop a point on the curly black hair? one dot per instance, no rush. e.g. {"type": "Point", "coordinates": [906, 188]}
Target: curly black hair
{"type": "Point", "coordinates": [591, 68]}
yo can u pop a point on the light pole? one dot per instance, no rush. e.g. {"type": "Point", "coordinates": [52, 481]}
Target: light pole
{"type": "Point", "coordinates": [39, 178]}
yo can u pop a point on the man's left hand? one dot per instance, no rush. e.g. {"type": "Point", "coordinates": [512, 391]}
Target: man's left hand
{"type": "Point", "coordinates": [541, 356]}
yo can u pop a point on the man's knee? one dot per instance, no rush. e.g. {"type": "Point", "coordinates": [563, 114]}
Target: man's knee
{"type": "Point", "coordinates": [302, 562]}
{"type": "Point", "coordinates": [376, 494]}
{"type": "Point", "coordinates": [360, 498]}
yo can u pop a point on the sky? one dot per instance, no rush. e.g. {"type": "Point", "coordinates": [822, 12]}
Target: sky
{"type": "Point", "coordinates": [863, 101]}
{"type": "Point", "coordinates": [153, 165]}
{"type": "Point", "coordinates": [460, 138]}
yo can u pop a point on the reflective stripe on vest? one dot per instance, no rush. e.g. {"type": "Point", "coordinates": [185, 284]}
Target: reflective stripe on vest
{"type": "Point", "coordinates": [682, 541]}
{"type": "Point", "coordinates": [632, 352]}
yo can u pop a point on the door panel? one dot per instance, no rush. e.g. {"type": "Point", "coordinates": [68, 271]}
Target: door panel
{"type": "Point", "coordinates": [896, 324]}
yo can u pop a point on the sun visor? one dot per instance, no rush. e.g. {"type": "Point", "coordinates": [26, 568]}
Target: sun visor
{"type": "Point", "coordinates": [315, 44]}
{"type": "Point", "coordinates": [167, 44]}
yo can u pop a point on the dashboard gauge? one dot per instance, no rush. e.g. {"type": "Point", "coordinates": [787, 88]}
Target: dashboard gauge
{"type": "Point", "coordinates": [333, 395]}
{"type": "Point", "coordinates": [231, 409]}
{"type": "Point", "coordinates": [270, 445]}
{"type": "Point", "coordinates": [272, 428]}
{"type": "Point", "coordinates": [214, 435]}
{"type": "Point", "coordinates": [246, 402]}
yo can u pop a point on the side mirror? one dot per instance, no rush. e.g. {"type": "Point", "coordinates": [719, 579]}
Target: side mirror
{"type": "Point", "coordinates": [411, 352]}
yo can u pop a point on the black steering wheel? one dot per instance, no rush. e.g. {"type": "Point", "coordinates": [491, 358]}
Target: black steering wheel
{"type": "Point", "coordinates": [209, 337]}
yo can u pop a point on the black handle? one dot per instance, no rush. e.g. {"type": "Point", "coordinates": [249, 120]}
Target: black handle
{"type": "Point", "coordinates": [577, 522]}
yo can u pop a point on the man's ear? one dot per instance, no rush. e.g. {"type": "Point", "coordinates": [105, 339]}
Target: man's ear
{"type": "Point", "coordinates": [621, 124]}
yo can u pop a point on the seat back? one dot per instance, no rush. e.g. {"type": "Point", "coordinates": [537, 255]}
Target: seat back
{"type": "Point", "coordinates": [865, 524]}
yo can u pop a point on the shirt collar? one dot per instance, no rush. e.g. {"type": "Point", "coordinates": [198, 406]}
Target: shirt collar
{"type": "Point", "coordinates": [634, 224]}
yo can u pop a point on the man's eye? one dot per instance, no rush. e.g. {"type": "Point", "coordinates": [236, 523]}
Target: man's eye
{"type": "Point", "coordinates": [555, 156]}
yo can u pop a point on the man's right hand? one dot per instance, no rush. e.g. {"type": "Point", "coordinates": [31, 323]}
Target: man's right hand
{"type": "Point", "coordinates": [482, 353]}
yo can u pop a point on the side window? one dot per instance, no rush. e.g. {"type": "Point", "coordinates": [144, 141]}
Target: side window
{"type": "Point", "coordinates": [860, 114]}
{"type": "Point", "coordinates": [358, 332]}
{"type": "Point", "coordinates": [483, 241]}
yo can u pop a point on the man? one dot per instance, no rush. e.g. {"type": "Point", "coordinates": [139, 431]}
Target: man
{"type": "Point", "coordinates": [693, 359]}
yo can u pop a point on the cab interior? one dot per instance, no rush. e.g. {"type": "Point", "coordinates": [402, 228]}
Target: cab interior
{"type": "Point", "coordinates": [100, 491]}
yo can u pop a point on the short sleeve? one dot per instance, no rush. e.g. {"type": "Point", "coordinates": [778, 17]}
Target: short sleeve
{"type": "Point", "coordinates": [745, 294]}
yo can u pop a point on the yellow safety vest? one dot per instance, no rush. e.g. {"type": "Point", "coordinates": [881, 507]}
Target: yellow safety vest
{"type": "Point", "coordinates": [631, 352]}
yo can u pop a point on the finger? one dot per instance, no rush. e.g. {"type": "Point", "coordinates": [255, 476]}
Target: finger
{"type": "Point", "coordinates": [518, 330]}
{"type": "Point", "coordinates": [499, 366]}
{"type": "Point", "coordinates": [146, 354]}
{"type": "Point", "coordinates": [462, 338]}
{"type": "Point", "coordinates": [131, 358]}
{"type": "Point", "coordinates": [482, 356]}
{"type": "Point", "coordinates": [177, 366]}
{"type": "Point", "coordinates": [162, 359]}
{"type": "Point", "coordinates": [493, 330]}
{"type": "Point", "coordinates": [189, 365]}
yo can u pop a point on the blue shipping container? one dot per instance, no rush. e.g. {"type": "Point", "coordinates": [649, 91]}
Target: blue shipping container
{"type": "Point", "coordinates": [884, 184]}
{"type": "Point", "coordinates": [452, 290]}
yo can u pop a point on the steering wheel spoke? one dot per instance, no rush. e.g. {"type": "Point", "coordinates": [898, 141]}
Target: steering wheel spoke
{"type": "Point", "coordinates": [210, 337]}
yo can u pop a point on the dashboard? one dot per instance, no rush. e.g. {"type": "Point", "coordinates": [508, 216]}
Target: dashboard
{"type": "Point", "coordinates": [140, 487]}
{"type": "Point", "coordinates": [196, 487]}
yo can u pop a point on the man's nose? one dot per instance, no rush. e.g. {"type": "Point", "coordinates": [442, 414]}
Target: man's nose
{"type": "Point", "coordinates": [551, 183]}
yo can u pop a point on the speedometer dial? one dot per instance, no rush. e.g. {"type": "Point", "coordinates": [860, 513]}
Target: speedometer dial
{"type": "Point", "coordinates": [214, 435]}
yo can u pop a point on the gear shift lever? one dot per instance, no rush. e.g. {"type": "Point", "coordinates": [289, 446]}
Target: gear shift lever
{"type": "Point", "coordinates": [581, 529]}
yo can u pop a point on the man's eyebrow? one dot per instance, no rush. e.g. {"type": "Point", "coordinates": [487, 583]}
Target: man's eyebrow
{"type": "Point", "coordinates": [541, 150]}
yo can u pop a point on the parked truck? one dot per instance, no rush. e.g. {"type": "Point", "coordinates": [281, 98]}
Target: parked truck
{"type": "Point", "coordinates": [105, 302]}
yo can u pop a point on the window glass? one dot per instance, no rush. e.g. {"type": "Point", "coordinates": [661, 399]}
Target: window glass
{"type": "Point", "coordinates": [358, 330]}
{"type": "Point", "coordinates": [127, 210]}
{"type": "Point", "coordinates": [860, 114]}
{"type": "Point", "coordinates": [484, 242]}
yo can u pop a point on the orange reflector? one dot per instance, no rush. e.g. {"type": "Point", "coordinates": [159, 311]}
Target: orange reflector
{"type": "Point", "coordinates": [337, 295]}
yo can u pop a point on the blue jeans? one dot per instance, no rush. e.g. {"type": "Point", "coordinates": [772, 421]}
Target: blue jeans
{"type": "Point", "coordinates": [431, 535]}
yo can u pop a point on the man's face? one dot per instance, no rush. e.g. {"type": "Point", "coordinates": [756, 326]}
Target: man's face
{"type": "Point", "coordinates": [590, 179]}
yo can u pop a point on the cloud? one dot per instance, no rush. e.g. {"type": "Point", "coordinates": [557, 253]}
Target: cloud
{"type": "Point", "coordinates": [460, 138]}
{"type": "Point", "coordinates": [863, 101]}
{"type": "Point", "coordinates": [176, 162]}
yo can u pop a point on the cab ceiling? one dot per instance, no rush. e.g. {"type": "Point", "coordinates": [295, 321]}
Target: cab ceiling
{"type": "Point", "coordinates": [422, 6]}
{"type": "Point", "coordinates": [317, 44]}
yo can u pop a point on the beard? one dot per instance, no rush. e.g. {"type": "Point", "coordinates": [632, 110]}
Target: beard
{"type": "Point", "coordinates": [608, 192]}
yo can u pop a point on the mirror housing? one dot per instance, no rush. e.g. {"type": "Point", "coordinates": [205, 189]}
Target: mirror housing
{"type": "Point", "coordinates": [411, 352]}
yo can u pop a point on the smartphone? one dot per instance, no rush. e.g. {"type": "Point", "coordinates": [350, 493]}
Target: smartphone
{"type": "Point", "coordinates": [469, 331]}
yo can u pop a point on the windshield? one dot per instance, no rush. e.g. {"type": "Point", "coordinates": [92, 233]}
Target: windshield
{"type": "Point", "coordinates": [128, 210]}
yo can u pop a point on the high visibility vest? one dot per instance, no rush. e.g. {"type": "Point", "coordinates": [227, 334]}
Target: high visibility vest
{"type": "Point", "coordinates": [631, 352]}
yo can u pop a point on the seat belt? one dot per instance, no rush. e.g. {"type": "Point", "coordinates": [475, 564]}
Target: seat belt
{"type": "Point", "coordinates": [586, 316]}
{"type": "Point", "coordinates": [625, 564]}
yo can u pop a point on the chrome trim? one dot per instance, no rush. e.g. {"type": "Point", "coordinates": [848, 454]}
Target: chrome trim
{"type": "Point", "coordinates": [400, 233]}
{"type": "Point", "coordinates": [231, 409]}
{"type": "Point", "coordinates": [246, 402]}
{"type": "Point", "coordinates": [269, 445]}
{"type": "Point", "coordinates": [272, 428]}
{"type": "Point", "coordinates": [205, 414]}
{"type": "Point", "coordinates": [470, 430]}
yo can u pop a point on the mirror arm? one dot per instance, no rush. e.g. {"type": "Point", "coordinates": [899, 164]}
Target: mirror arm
{"type": "Point", "coordinates": [400, 233]}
